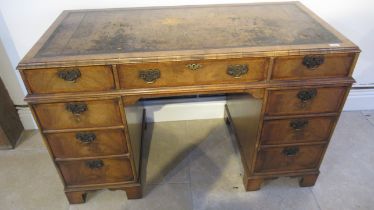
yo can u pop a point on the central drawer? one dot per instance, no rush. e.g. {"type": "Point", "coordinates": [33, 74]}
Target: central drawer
{"type": "Point", "coordinates": [79, 114]}
{"type": "Point", "coordinates": [202, 72]}
{"type": "Point", "coordinates": [96, 171]}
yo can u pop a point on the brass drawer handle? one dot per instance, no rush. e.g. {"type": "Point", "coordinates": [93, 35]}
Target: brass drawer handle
{"type": "Point", "coordinates": [194, 66]}
{"type": "Point", "coordinates": [290, 151]}
{"type": "Point", "coordinates": [76, 108]}
{"type": "Point", "coordinates": [85, 138]}
{"type": "Point", "coordinates": [94, 164]}
{"type": "Point", "coordinates": [237, 70]}
{"type": "Point", "coordinates": [306, 95]}
{"type": "Point", "coordinates": [69, 75]}
{"type": "Point", "coordinates": [313, 61]}
{"type": "Point", "coordinates": [299, 124]}
{"type": "Point", "coordinates": [149, 75]}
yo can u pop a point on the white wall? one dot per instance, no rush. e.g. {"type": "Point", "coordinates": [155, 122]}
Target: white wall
{"type": "Point", "coordinates": [8, 61]}
{"type": "Point", "coordinates": [22, 22]}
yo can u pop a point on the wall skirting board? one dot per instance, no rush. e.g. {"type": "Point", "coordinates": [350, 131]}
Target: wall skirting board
{"type": "Point", "coordinates": [209, 108]}
{"type": "Point", "coordinates": [360, 99]}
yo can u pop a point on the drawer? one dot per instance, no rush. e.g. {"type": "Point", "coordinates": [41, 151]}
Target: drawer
{"type": "Point", "coordinates": [278, 159]}
{"type": "Point", "coordinates": [202, 72]}
{"type": "Point", "coordinates": [312, 66]}
{"type": "Point", "coordinates": [83, 114]}
{"type": "Point", "coordinates": [75, 79]}
{"type": "Point", "coordinates": [87, 143]}
{"type": "Point", "coordinates": [296, 130]}
{"type": "Point", "coordinates": [305, 101]}
{"type": "Point", "coordinates": [96, 171]}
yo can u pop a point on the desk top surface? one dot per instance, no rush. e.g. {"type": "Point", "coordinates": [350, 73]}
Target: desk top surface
{"type": "Point", "coordinates": [185, 32]}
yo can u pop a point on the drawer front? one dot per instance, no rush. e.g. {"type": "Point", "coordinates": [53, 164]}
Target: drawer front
{"type": "Point", "coordinates": [75, 79]}
{"type": "Point", "coordinates": [191, 73]}
{"type": "Point", "coordinates": [87, 143]}
{"type": "Point", "coordinates": [312, 66]}
{"type": "Point", "coordinates": [305, 101]}
{"type": "Point", "coordinates": [96, 171]}
{"type": "Point", "coordinates": [296, 130]}
{"type": "Point", "coordinates": [278, 159]}
{"type": "Point", "coordinates": [83, 114]}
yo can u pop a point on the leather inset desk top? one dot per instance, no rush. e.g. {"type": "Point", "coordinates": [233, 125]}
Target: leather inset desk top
{"type": "Point", "coordinates": [141, 33]}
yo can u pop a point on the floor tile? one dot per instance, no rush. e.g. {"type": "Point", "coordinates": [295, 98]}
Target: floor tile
{"type": "Point", "coordinates": [103, 199]}
{"type": "Point", "coordinates": [155, 197]}
{"type": "Point", "coordinates": [279, 194]}
{"type": "Point", "coordinates": [29, 181]}
{"type": "Point", "coordinates": [163, 197]}
{"type": "Point", "coordinates": [216, 180]}
{"type": "Point", "coordinates": [215, 157]}
{"type": "Point", "coordinates": [31, 139]}
{"type": "Point", "coordinates": [196, 165]}
{"type": "Point", "coordinates": [369, 114]}
{"type": "Point", "coordinates": [165, 153]}
{"type": "Point", "coordinates": [199, 130]}
{"type": "Point", "coordinates": [347, 171]}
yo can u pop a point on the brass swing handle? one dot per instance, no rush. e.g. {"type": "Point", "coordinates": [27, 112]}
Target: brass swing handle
{"type": "Point", "coordinates": [76, 108]}
{"type": "Point", "coordinates": [237, 70]}
{"type": "Point", "coordinates": [307, 95]}
{"type": "Point", "coordinates": [85, 138]}
{"type": "Point", "coordinates": [150, 75]}
{"type": "Point", "coordinates": [299, 124]}
{"type": "Point", "coordinates": [313, 61]}
{"type": "Point", "coordinates": [94, 164]}
{"type": "Point", "coordinates": [69, 75]}
{"type": "Point", "coordinates": [290, 151]}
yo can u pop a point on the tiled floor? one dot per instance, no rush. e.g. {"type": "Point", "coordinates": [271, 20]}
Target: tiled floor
{"type": "Point", "coordinates": [196, 165]}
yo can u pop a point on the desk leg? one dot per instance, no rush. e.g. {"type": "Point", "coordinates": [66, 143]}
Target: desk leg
{"type": "Point", "coordinates": [308, 180]}
{"type": "Point", "coordinates": [133, 192]}
{"type": "Point", "coordinates": [253, 184]}
{"type": "Point", "coordinates": [76, 197]}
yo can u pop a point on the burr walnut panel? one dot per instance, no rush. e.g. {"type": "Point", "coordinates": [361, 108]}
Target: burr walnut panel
{"type": "Point", "coordinates": [96, 171]}
{"type": "Point", "coordinates": [296, 130]}
{"type": "Point", "coordinates": [312, 66]}
{"type": "Point", "coordinates": [305, 100]}
{"type": "Point", "coordinates": [73, 79]}
{"type": "Point", "coordinates": [87, 143]}
{"type": "Point", "coordinates": [82, 114]}
{"type": "Point", "coordinates": [200, 72]}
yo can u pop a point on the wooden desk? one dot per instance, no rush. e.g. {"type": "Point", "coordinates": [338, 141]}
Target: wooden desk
{"type": "Point", "coordinates": [286, 74]}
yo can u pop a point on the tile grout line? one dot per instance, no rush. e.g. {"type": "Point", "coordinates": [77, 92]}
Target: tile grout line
{"type": "Point", "coordinates": [167, 183]}
{"type": "Point", "coordinates": [370, 122]}
{"type": "Point", "coordinates": [190, 182]}
{"type": "Point", "coordinates": [315, 199]}
{"type": "Point", "coordinates": [367, 118]}
{"type": "Point", "coordinates": [14, 151]}
{"type": "Point", "coordinates": [189, 174]}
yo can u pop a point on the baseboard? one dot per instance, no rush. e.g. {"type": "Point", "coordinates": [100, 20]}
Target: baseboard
{"type": "Point", "coordinates": [360, 99]}
{"type": "Point", "coordinates": [209, 108]}
{"type": "Point", "coordinates": [185, 109]}
{"type": "Point", "coordinates": [27, 119]}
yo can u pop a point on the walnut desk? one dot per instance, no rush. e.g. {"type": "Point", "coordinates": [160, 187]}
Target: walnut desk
{"type": "Point", "coordinates": [286, 74]}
